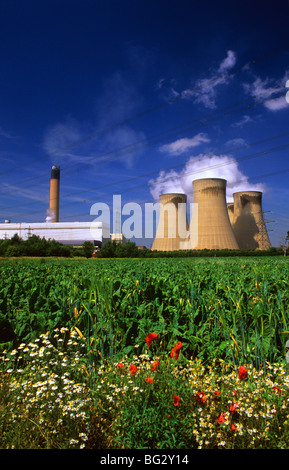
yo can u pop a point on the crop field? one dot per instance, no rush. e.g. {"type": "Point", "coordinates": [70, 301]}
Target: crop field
{"type": "Point", "coordinates": [144, 353]}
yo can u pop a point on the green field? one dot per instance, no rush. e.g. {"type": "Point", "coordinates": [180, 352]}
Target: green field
{"type": "Point", "coordinates": [226, 313]}
{"type": "Point", "coordinates": [228, 308]}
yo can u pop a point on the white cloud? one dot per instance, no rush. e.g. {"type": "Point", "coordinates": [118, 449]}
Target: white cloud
{"type": "Point", "coordinates": [183, 145]}
{"type": "Point", "coordinates": [204, 91]}
{"type": "Point", "coordinates": [60, 139]}
{"type": "Point", "coordinates": [206, 94]}
{"type": "Point", "coordinates": [264, 90]}
{"type": "Point", "coordinates": [236, 142]}
{"type": "Point", "coordinates": [276, 104]}
{"type": "Point", "coordinates": [121, 144]}
{"type": "Point", "coordinates": [203, 166]}
{"type": "Point", "coordinates": [73, 143]}
{"type": "Point", "coordinates": [111, 136]}
{"type": "Point", "coordinates": [166, 182]}
{"type": "Point", "coordinates": [244, 120]}
{"type": "Point", "coordinates": [119, 102]}
{"type": "Point", "coordinates": [228, 63]}
{"type": "Point", "coordinates": [160, 83]}
{"type": "Point", "coordinates": [34, 195]}
{"type": "Point", "coordinates": [260, 89]}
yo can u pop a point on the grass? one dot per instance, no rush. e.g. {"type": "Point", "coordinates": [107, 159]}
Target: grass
{"type": "Point", "coordinates": [53, 397]}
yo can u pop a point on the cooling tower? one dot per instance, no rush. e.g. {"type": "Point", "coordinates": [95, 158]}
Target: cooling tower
{"type": "Point", "coordinates": [230, 207]}
{"type": "Point", "coordinates": [248, 223]}
{"type": "Point", "coordinates": [173, 228]}
{"type": "Point", "coordinates": [212, 227]}
{"type": "Point", "coordinates": [54, 193]}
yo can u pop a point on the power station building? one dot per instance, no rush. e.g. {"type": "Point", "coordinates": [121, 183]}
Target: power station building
{"type": "Point", "coordinates": [215, 224]}
{"type": "Point", "coordinates": [68, 233]}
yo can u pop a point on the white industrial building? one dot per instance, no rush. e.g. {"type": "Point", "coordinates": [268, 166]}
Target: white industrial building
{"type": "Point", "coordinates": [68, 233]}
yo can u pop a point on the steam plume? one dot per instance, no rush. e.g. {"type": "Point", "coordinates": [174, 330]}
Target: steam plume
{"type": "Point", "coordinates": [203, 166]}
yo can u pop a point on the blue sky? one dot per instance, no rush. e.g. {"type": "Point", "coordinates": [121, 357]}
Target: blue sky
{"type": "Point", "coordinates": [136, 98]}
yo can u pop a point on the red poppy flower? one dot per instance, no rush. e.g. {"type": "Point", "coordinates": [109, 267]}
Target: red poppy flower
{"type": "Point", "coordinates": [176, 350]}
{"type": "Point", "coordinates": [217, 394]}
{"type": "Point", "coordinates": [222, 418]}
{"type": "Point", "coordinates": [149, 380]}
{"type": "Point", "coordinates": [120, 366]}
{"type": "Point", "coordinates": [174, 354]}
{"type": "Point", "coordinates": [155, 365]}
{"type": "Point", "coordinates": [277, 389]}
{"type": "Point", "coordinates": [150, 337]}
{"type": "Point", "coordinates": [243, 373]}
{"type": "Point", "coordinates": [233, 427]}
{"type": "Point", "coordinates": [176, 400]}
{"type": "Point", "coordinates": [201, 397]}
{"type": "Point", "coordinates": [233, 407]}
{"type": "Point", "coordinates": [133, 369]}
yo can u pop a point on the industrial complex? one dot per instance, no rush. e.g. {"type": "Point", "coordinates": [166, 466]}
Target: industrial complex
{"type": "Point", "coordinates": [68, 233]}
{"type": "Point", "coordinates": [214, 224]}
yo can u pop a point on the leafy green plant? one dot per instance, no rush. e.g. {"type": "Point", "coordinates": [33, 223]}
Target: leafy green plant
{"type": "Point", "coordinates": [228, 308]}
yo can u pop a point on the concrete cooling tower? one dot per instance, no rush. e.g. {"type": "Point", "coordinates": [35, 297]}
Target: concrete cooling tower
{"type": "Point", "coordinates": [248, 223]}
{"type": "Point", "coordinates": [173, 228]}
{"type": "Point", "coordinates": [230, 207]}
{"type": "Point", "coordinates": [212, 228]}
{"type": "Point", "coordinates": [54, 193]}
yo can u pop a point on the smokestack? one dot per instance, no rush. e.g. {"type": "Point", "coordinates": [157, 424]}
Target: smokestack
{"type": "Point", "coordinates": [54, 193]}
{"type": "Point", "coordinates": [211, 228]}
{"type": "Point", "coordinates": [248, 223]}
{"type": "Point", "coordinates": [173, 228]}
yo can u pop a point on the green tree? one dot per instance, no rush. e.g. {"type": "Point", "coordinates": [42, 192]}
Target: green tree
{"type": "Point", "coordinates": [88, 249]}
{"type": "Point", "coordinates": [108, 249]}
{"type": "Point", "coordinates": [112, 249]}
{"type": "Point", "coordinates": [12, 251]}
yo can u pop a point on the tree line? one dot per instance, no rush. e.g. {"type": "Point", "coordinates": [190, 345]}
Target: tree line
{"type": "Point", "coordinates": [41, 247]}
{"type": "Point", "coordinates": [113, 249]}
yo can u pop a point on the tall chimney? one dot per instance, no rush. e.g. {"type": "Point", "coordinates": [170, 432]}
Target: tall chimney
{"type": "Point", "coordinates": [173, 228]}
{"type": "Point", "coordinates": [212, 228]}
{"type": "Point", "coordinates": [248, 223]}
{"type": "Point", "coordinates": [54, 193]}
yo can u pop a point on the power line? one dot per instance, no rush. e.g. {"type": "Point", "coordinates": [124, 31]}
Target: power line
{"type": "Point", "coordinates": [145, 142]}
{"type": "Point", "coordinates": [109, 156]}
{"type": "Point", "coordinates": [250, 156]}
{"type": "Point", "coordinates": [209, 82]}
{"type": "Point", "coordinates": [263, 176]}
